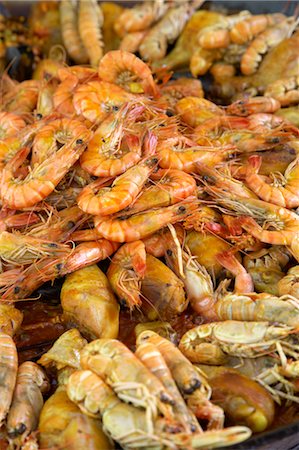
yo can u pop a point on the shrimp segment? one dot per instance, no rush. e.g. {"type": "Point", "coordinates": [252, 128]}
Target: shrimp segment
{"type": "Point", "coordinates": [121, 194]}
{"type": "Point", "coordinates": [90, 22]}
{"type": "Point", "coordinates": [43, 178]}
{"type": "Point", "coordinates": [128, 229]}
{"type": "Point", "coordinates": [128, 71]}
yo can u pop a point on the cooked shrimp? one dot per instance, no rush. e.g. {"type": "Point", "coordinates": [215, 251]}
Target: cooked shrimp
{"type": "Point", "coordinates": [243, 280]}
{"type": "Point", "coordinates": [27, 402]}
{"type": "Point", "coordinates": [125, 272]}
{"type": "Point", "coordinates": [9, 368]}
{"type": "Point", "coordinates": [175, 90]}
{"type": "Point", "coordinates": [49, 138]}
{"type": "Point", "coordinates": [110, 151]}
{"type": "Point", "coordinates": [10, 124]}
{"type": "Point", "coordinates": [170, 187]}
{"type": "Point", "coordinates": [131, 41]}
{"type": "Point", "coordinates": [264, 42]}
{"type": "Point", "coordinates": [90, 21]}
{"type": "Point", "coordinates": [140, 17]}
{"type": "Point", "coordinates": [195, 111]}
{"type": "Point", "coordinates": [286, 90]}
{"type": "Point", "coordinates": [96, 99]}
{"type": "Point", "coordinates": [154, 45]}
{"type": "Point", "coordinates": [138, 226]}
{"type": "Point", "coordinates": [43, 178]}
{"type": "Point", "coordinates": [22, 98]}
{"type": "Point", "coordinates": [70, 33]}
{"type": "Point", "coordinates": [283, 191]}
{"type": "Point", "coordinates": [254, 105]}
{"type": "Point", "coordinates": [122, 192]}
{"type": "Point", "coordinates": [127, 71]}
{"type": "Point", "coordinates": [247, 29]}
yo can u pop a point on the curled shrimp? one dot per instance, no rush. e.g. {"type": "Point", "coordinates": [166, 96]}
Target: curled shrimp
{"type": "Point", "coordinates": [70, 34]}
{"type": "Point", "coordinates": [10, 124]}
{"type": "Point", "coordinates": [122, 192]}
{"type": "Point", "coordinates": [96, 99]}
{"type": "Point", "coordinates": [247, 29]}
{"type": "Point", "coordinates": [22, 98]}
{"type": "Point", "coordinates": [127, 71]}
{"type": "Point", "coordinates": [90, 22]}
{"type": "Point", "coordinates": [9, 368]}
{"type": "Point", "coordinates": [283, 191]}
{"type": "Point", "coordinates": [265, 41]}
{"type": "Point", "coordinates": [43, 178]}
{"type": "Point", "coordinates": [286, 90]}
{"type": "Point", "coordinates": [254, 105]}
{"type": "Point", "coordinates": [170, 187]}
{"type": "Point", "coordinates": [138, 226]}
{"type": "Point", "coordinates": [49, 138]}
{"type": "Point", "coordinates": [125, 272]}
{"type": "Point", "coordinates": [154, 45]}
{"type": "Point", "coordinates": [27, 402]}
{"type": "Point", "coordinates": [140, 17]}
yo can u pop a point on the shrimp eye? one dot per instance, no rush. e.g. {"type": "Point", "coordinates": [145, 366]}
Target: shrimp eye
{"type": "Point", "coordinates": [70, 225]}
{"type": "Point", "coordinates": [115, 108]}
{"type": "Point", "coordinates": [39, 116]}
{"type": "Point", "coordinates": [182, 209]}
{"type": "Point", "coordinates": [53, 245]}
{"type": "Point", "coordinates": [21, 428]}
{"type": "Point", "coordinates": [59, 266]}
{"type": "Point", "coordinates": [169, 252]}
{"type": "Point", "coordinates": [79, 141]}
{"type": "Point", "coordinates": [169, 113]}
{"type": "Point", "coordinates": [17, 290]}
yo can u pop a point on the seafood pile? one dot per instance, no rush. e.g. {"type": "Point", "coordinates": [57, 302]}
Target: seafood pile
{"type": "Point", "coordinates": [173, 220]}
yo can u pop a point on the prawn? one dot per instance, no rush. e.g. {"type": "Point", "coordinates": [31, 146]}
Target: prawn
{"type": "Point", "coordinates": [22, 98]}
{"type": "Point", "coordinates": [170, 187]}
{"type": "Point", "coordinates": [246, 107]}
{"type": "Point", "coordinates": [140, 17]}
{"type": "Point", "coordinates": [283, 191]}
{"type": "Point", "coordinates": [52, 136]}
{"type": "Point", "coordinates": [264, 42]}
{"type": "Point", "coordinates": [248, 28]}
{"type": "Point", "coordinates": [122, 192]}
{"type": "Point", "coordinates": [154, 45]}
{"type": "Point", "coordinates": [96, 99]}
{"type": "Point", "coordinates": [27, 402]}
{"type": "Point", "coordinates": [129, 72]}
{"type": "Point", "coordinates": [10, 124]}
{"type": "Point", "coordinates": [138, 226]}
{"type": "Point", "coordinates": [125, 272]}
{"type": "Point", "coordinates": [70, 34]}
{"type": "Point", "coordinates": [90, 22]}
{"type": "Point", "coordinates": [285, 90]}
{"type": "Point", "coordinates": [9, 368]}
{"type": "Point", "coordinates": [194, 110]}
{"type": "Point", "coordinates": [43, 178]}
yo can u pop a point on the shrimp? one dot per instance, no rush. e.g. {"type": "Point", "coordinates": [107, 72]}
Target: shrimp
{"type": "Point", "coordinates": [126, 271]}
{"type": "Point", "coordinates": [127, 71]}
{"type": "Point", "coordinates": [248, 28]}
{"type": "Point", "coordinates": [140, 17]}
{"type": "Point", "coordinates": [264, 42]}
{"type": "Point", "coordinates": [10, 124]}
{"type": "Point", "coordinates": [176, 90]}
{"type": "Point", "coordinates": [285, 90]}
{"type": "Point", "coordinates": [88, 302]}
{"type": "Point", "coordinates": [44, 177]}
{"type": "Point", "coordinates": [282, 191]}
{"type": "Point", "coordinates": [221, 71]}
{"type": "Point", "coordinates": [47, 269]}
{"type": "Point", "coordinates": [21, 249]}
{"type": "Point", "coordinates": [90, 22]}
{"type": "Point", "coordinates": [288, 285]}
{"type": "Point", "coordinates": [45, 102]}
{"type": "Point", "coordinates": [71, 78]}
{"type": "Point", "coordinates": [194, 110]}
{"type": "Point", "coordinates": [182, 154]}
{"type": "Point", "coordinates": [154, 45]}
{"type": "Point", "coordinates": [70, 34]}
{"type": "Point", "coordinates": [186, 377]}
{"type": "Point", "coordinates": [27, 402]}
{"type": "Point", "coordinates": [131, 41]}
{"type": "Point", "coordinates": [110, 151]}
{"type": "Point", "coordinates": [171, 186]}
{"type": "Point", "coordinates": [254, 105]}
{"type": "Point", "coordinates": [131, 228]}
{"type": "Point", "coordinates": [150, 356]}
{"type": "Point", "coordinates": [136, 384]}
{"type": "Point", "coordinates": [162, 290]}
{"type": "Point", "coordinates": [96, 99]}
{"type": "Point", "coordinates": [22, 98]}
{"type": "Point", "coordinates": [243, 280]}
{"type": "Point", "coordinates": [122, 192]}
{"type": "Point", "coordinates": [9, 368]}
{"type": "Point", "coordinates": [10, 219]}
{"type": "Point", "coordinates": [49, 138]}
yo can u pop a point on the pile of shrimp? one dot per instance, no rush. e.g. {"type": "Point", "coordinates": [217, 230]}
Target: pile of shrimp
{"type": "Point", "coordinates": [171, 219]}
